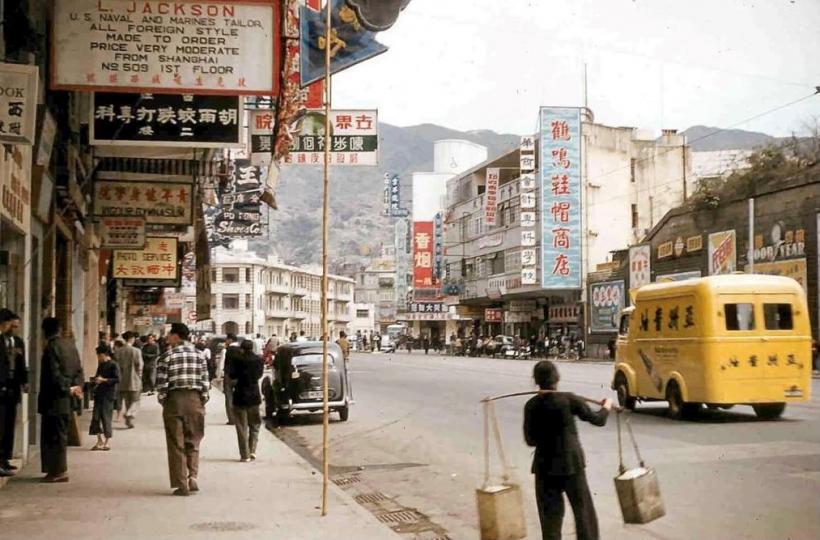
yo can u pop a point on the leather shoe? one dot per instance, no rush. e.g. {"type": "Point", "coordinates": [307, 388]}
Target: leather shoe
{"type": "Point", "coordinates": [192, 485]}
{"type": "Point", "coordinates": [60, 479]}
{"type": "Point", "coordinates": [8, 466]}
{"type": "Point", "coordinates": [5, 473]}
{"type": "Point", "coordinates": [181, 492]}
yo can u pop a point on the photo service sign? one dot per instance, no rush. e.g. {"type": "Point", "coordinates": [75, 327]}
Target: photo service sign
{"type": "Point", "coordinates": [158, 260]}
{"type": "Point", "coordinates": [227, 48]}
{"type": "Point", "coordinates": [18, 103]}
{"type": "Point", "coordinates": [355, 139]}
{"type": "Point", "coordinates": [159, 203]}
{"type": "Point", "coordinates": [560, 129]}
{"type": "Point", "coordinates": [165, 120]}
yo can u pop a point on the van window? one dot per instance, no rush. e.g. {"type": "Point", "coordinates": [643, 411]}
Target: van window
{"type": "Point", "coordinates": [778, 316]}
{"type": "Point", "coordinates": [624, 330]}
{"type": "Point", "coordinates": [739, 316]}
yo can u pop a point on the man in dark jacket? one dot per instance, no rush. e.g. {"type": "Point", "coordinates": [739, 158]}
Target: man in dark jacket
{"type": "Point", "coordinates": [558, 464]}
{"type": "Point", "coordinates": [150, 353]}
{"type": "Point", "coordinates": [61, 378]}
{"type": "Point", "coordinates": [232, 351]}
{"type": "Point", "coordinates": [13, 383]}
{"type": "Point", "coordinates": [246, 369]}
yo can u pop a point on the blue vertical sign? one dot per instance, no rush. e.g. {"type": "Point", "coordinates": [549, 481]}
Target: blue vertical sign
{"type": "Point", "coordinates": [560, 133]}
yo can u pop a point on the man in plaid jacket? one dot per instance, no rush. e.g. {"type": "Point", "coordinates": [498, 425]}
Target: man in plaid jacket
{"type": "Point", "coordinates": [182, 390]}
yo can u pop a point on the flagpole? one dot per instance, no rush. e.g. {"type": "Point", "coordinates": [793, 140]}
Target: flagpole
{"type": "Point", "coordinates": [325, 203]}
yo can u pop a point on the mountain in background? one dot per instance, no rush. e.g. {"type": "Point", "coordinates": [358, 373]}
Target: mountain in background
{"type": "Point", "coordinates": [357, 228]}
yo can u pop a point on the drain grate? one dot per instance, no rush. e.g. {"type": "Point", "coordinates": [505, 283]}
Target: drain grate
{"type": "Point", "coordinates": [347, 480]}
{"type": "Point", "coordinates": [401, 516]}
{"type": "Point", "coordinates": [371, 498]}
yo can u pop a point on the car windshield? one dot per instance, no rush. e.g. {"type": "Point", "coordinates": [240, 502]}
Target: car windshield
{"type": "Point", "coordinates": [306, 359]}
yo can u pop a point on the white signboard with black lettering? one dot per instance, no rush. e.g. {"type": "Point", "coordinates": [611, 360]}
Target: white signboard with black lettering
{"type": "Point", "coordinates": [188, 120]}
{"type": "Point", "coordinates": [18, 103]}
{"type": "Point", "coordinates": [174, 47]}
{"type": "Point", "coordinates": [260, 125]}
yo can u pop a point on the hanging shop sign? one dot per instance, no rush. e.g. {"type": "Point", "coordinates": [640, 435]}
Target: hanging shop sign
{"type": "Point", "coordinates": [491, 195]}
{"type": "Point", "coordinates": [607, 301]}
{"type": "Point", "coordinates": [722, 253]}
{"type": "Point", "coordinates": [351, 42]}
{"type": "Point", "coordinates": [165, 120]}
{"type": "Point", "coordinates": [564, 313]}
{"type": "Point", "coordinates": [427, 307]}
{"type": "Point", "coordinates": [522, 305]}
{"type": "Point", "coordinates": [202, 257]}
{"type": "Point", "coordinates": [159, 203]}
{"type": "Point", "coordinates": [145, 297]}
{"type": "Point", "coordinates": [392, 197]}
{"type": "Point", "coordinates": [260, 125]}
{"type": "Point", "coordinates": [560, 129]}
{"type": "Point", "coordinates": [239, 214]}
{"type": "Point", "coordinates": [45, 143]}
{"type": "Point", "coordinates": [173, 47]}
{"type": "Point", "coordinates": [493, 315]}
{"type": "Point", "coordinates": [18, 103]}
{"type": "Point", "coordinates": [678, 276]}
{"type": "Point", "coordinates": [355, 140]}
{"type": "Point", "coordinates": [423, 255]}
{"type": "Point", "coordinates": [639, 266]}
{"type": "Point", "coordinates": [156, 261]}
{"type": "Point", "coordinates": [15, 186]}
{"type": "Point", "coordinates": [122, 232]}
{"type": "Point", "coordinates": [438, 246]}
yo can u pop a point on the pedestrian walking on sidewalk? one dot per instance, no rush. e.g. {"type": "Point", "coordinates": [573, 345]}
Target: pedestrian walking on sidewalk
{"type": "Point", "coordinates": [558, 463]}
{"type": "Point", "coordinates": [13, 384]}
{"type": "Point", "coordinates": [129, 358]}
{"type": "Point", "coordinates": [246, 370]}
{"type": "Point", "coordinates": [231, 352]}
{"type": "Point", "coordinates": [150, 353]}
{"type": "Point", "coordinates": [105, 388]}
{"type": "Point", "coordinates": [182, 390]}
{"type": "Point", "coordinates": [61, 379]}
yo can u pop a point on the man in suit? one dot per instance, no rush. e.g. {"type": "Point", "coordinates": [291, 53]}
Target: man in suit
{"type": "Point", "coordinates": [61, 378]}
{"type": "Point", "coordinates": [15, 376]}
{"type": "Point", "coordinates": [150, 353]}
{"type": "Point", "coordinates": [558, 463]}
{"type": "Point", "coordinates": [129, 358]}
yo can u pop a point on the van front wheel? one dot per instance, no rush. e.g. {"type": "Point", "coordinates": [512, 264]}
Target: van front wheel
{"type": "Point", "coordinates": [622, 388]}
{"type": "Point", "coordinates": [769, 411]}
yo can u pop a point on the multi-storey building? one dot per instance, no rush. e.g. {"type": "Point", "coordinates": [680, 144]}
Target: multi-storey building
{"type": "Point", "coordinates": [628, 183]}
{"type": "Point", "coordinates": [376, 285]}
{"type": "Point", "coordinates": [251, 294]}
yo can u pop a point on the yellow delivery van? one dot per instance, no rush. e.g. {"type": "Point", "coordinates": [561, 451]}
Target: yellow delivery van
{"type": "Point", "coordinates": [717, 341]}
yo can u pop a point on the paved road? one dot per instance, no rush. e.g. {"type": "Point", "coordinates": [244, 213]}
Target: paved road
{"type": "Point", "coordinates": [417, 431]}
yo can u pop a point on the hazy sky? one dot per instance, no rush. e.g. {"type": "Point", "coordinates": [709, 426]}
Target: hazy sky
{"type": "Point", "coordinates": [489, 64]}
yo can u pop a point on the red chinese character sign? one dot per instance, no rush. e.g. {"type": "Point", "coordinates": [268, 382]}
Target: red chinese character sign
{"type": "Point", "coordinates": [423, 247]}
{"type": "Point", "coordinates": [173, 47]}
{"type": "Point", "coordinates": [560, 131]}
{"type": "Point", "coordinates": [157, 261]}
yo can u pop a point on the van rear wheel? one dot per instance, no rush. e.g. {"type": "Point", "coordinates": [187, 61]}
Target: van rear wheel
{"type": "Point", "coordinates": [769, 411]}
{"type": "Point", "coordinates": [622, 388]}
{"type": "Point", "coordinates": [679, 409]}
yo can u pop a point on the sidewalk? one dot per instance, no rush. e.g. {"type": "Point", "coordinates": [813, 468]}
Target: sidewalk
{"type": "Point", "coordinates": [124, 493]}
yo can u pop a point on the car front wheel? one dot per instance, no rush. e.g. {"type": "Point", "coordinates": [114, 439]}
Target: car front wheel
{"type": "Point", "coordinates": [622, 388]}
{"type": "Point", "coordinates": [344, 413]}
{"type": "Point", "coordinates": [769, 411]}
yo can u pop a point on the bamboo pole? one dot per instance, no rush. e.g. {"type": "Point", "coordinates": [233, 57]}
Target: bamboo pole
{"type": "Point", "coordinates": [542, 392]}
{"type": "Point", "coordinates": [325, 227]}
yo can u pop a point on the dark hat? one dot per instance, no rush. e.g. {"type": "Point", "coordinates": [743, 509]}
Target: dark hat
{"type": "Point", "coordinates": [7, 315]}
{"type": "Point", "coordinates": [180, 329]}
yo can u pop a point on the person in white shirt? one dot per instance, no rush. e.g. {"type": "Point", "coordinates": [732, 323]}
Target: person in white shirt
{"type": "Point", "coordinates": [258, 345]}
{"type": "Point", "coordinates": [302, 336]}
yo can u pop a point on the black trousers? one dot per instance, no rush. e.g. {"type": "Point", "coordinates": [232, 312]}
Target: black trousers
{"type": "Point", "coordinates": [549, 495]}
{"type": "Point", "coordinates": [53, 442]}
{"type": "Point", "coordinates": [8, 419]}
{"type": "Point", "coordinates": [101, 417]}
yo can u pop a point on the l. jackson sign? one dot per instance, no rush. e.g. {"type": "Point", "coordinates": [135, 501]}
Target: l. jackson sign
{"type": "Point", "coordinates": [217, 47]}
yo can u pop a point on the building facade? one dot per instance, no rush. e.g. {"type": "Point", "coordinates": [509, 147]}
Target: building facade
{"type": "Point", "coordinates": [376, 285]}
{"type": "Point", "coordinates": [629, 181]}
{"type": "Point", "coordinates": [253, 295]}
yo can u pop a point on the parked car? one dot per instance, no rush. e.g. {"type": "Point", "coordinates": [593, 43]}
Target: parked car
{"type": "Point", "coordinates": [388, 345]}
{"type": "Point", "coordinates": [295, 383]}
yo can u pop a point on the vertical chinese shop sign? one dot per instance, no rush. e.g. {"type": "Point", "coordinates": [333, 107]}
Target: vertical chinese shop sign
{"type": "Point", "coordinates": [560, 129]}
{"type": "Point", "coordinates": [423, 255]}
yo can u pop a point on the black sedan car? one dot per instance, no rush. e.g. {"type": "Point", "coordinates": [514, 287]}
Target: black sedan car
{"type": "Point", "coordinates": [295, 382]}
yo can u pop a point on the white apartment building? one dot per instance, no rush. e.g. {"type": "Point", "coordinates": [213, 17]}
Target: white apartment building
{"type": "Point", "coordinates": [629, 182]}
{"type": "Point", "coordinates": [251, 294]}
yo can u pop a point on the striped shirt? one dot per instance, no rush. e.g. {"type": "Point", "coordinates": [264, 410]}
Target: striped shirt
{"type": "Point", "coordinates": [182, 368]}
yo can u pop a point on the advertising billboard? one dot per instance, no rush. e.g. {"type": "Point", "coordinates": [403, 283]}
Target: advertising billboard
{"type": "Point", "coordinates": [606, 302]}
